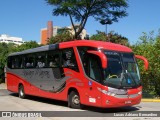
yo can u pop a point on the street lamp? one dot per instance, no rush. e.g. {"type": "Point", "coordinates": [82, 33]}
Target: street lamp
{"type": "Point", "coordinates": [105, 22]}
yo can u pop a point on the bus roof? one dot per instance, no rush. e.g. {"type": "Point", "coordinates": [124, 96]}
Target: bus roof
{"type": "Point", "coordinates": [38, 49]}
{"type": "Point", "coordinates": [98, 44]}
{"type": "Point", "coordinates": [90, 43]}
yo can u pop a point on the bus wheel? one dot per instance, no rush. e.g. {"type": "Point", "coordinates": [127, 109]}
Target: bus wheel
{"type": "Point", "coordinates": [74, 100]}
{"type": "Point", "coordinates": [21, 92]}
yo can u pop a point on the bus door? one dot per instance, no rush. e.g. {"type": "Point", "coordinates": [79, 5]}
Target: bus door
{"type": "Point", "coordinates": [93, 71]}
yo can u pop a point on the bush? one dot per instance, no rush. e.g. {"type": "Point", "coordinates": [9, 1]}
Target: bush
{"type": "Point", "coordinates": [149, 47]}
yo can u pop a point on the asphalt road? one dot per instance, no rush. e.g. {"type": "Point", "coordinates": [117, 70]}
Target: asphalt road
{"type": "Point", "coordinates": [11, 102]}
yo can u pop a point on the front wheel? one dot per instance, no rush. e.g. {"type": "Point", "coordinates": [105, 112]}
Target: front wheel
{"type": "Point", "coordinates": [21, 92]}
{"type": "Point", "coordinates": [74, 100]}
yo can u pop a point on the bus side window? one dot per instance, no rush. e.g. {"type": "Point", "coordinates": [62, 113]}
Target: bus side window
{"type": "Point", "coordinates": [91, 64]}
{"type": "Point", "coordinates": [69, 59]}
{"type": "Point", "coordinates": [92, 67]}
{"type": "Point", "coordinates": [53, 59]}
{"type": "Point", "coordinates": [9, 62]}
{"type": "Point", "coordinates": [40, 60]}
{"type": "Point", "coordinates": [14, 62]}
{"type": "Point", "coordinates": [19, 62]}
{"type": "Point", "coordinates": [29, 61]}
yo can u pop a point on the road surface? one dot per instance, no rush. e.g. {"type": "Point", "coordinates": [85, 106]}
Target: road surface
{"type": "Point", "coordinates": [11, 102]}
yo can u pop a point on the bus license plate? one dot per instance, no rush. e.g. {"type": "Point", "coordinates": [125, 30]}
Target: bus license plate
{"type": "Point", "coordinates": [128, 102]}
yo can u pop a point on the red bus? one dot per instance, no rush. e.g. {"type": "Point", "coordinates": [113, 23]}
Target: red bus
{"type": "Point", "coordinates": [82, 72]}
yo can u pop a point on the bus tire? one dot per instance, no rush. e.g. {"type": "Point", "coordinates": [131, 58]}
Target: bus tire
{"type": "Point", "coordinates": [21, 92]}
{"type": "Point", "coordinates": [74, 100]}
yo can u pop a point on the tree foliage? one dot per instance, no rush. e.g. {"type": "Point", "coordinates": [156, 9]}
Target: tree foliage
{"type": "Point", "coordinates": [111, 37]}
{"type": "Point", "coordinates": [117, 38]}
{"type": "Point", "coordinates": [149, 46]}
{"type": "Point", "coordinates": [6, 49]}
{"type": "Point", "coordinates": [104, 11]}
{"type": "Point", "coordinates": [60, 38]}
{"type": "Point", "coordinates": [28, 45]}
{"type": "Point", "coordinates": [101, 36]}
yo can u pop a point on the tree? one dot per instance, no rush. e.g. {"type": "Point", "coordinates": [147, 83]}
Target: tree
{"type": "Point", "coordinates": [60, 38]}
{"type": "Point", "coordinates": [101, 36]}
{"type": "Point", "coordinates": [117, 38]}
{"type": "Point", "coordinates": [28, 45]}
{"type": "Point", "coordinates": [149, 46]}
{"type": "Point", "coordinates": [104, 11]}
{"type": "Point", "coordinates": [6, 49]}
{"type": "Point", "coordinates": [111, 37]}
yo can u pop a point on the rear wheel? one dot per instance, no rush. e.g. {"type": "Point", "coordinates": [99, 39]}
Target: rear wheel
{"type": "Point", "coordinates": [21, 92]}
{"type": "Point", "coordinates": [74, 100]}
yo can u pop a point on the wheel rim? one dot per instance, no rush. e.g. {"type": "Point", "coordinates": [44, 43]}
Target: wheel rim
{"type": "Point", "coordinates": [75, 100]}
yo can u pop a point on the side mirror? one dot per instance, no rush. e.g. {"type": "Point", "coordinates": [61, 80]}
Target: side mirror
{"type": "Point", "coordinates": [146, 64]}
{"type": "Point", "coordinates": [101, 56]}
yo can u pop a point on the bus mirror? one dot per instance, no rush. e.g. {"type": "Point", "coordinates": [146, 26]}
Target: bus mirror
{"type": "Point", "coordinates": [102, 57]}
{"type": "Point", "coordinates": [146, 64]}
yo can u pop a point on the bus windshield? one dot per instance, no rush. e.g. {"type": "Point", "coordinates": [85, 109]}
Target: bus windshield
{"type": "Point", "coordinates": [122, 70]}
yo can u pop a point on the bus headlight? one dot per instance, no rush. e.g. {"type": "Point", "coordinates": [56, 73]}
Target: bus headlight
{"type": "Point", "coordinates": [108, 93]}
{"type": "Point", "coordinates": [140, 92]}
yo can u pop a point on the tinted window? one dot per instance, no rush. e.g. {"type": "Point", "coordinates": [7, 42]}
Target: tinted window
{"type": "Point", "coordinates": [69, 59]}
{"type": "Point", "coordinates": [91, 64]}
{"type": "Point", "coordinates": [92, 67]}
{"type": "Point", "coordinates": [40, 60]}
{"type": "Point", "coordinates": [15, 62]}
{"type": "Point", "coordinates": [53, 58]}
{"type": "Point", "coordinates": [30, 61]}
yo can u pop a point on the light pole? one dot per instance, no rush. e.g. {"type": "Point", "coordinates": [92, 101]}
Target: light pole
{"type": "Point", "coordinates": [108, 22]}
{"type": "Point", "coordinates": [106, 29]}
{"type": "Point", "coordinates": [105, 22]}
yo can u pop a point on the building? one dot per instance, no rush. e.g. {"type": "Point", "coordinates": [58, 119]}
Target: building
{"type": "Point", "coordinates": [44, 36]}
{"type": "Point", "coordinates": [47, 33]}
{"type": "Point", "coordinates": [82, 35]}
{"type": "Point", "coordinates": [8, 39]}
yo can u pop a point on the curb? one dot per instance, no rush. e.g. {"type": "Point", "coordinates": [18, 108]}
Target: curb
{"type": "Point", "coordinates": [150, 100]}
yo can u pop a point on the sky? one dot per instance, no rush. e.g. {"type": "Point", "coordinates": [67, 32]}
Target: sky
{"type": "Point", "coordinates": [25, 19]}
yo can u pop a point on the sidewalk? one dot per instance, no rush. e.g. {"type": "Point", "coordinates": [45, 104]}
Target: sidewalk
{"type": "Point", "coordinates": [3, 86]}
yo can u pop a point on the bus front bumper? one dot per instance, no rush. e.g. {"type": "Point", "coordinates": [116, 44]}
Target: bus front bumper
{"type": "Point", "coordinates": [111, 101]}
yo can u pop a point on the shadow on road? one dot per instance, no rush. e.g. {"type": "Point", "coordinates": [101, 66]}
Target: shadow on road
{"type": "Point", "coordinates": [43, 100]}
{"type": "Point", "coordinates": [86, 108]}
